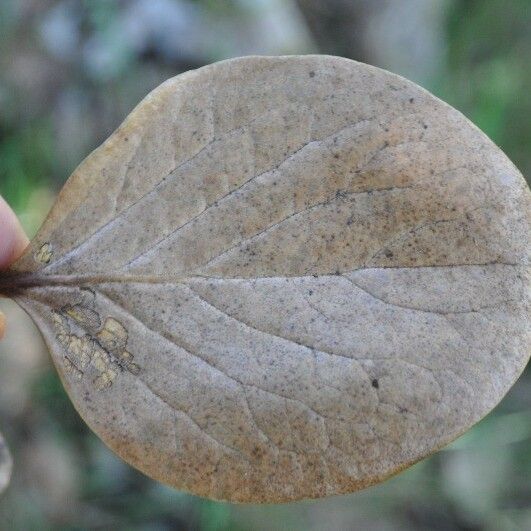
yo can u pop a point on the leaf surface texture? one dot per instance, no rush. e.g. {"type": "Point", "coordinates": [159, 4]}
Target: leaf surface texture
{"type": "Point", "coordinates": [284, 278]}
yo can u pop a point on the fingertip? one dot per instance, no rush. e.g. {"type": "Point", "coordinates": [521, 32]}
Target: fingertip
{"type": "Point", "coordinates": [2, 325]}
{"type": "Point", "coordinates": [13, 240]}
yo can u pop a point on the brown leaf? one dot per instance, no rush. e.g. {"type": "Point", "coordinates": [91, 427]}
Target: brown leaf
{"type": "Point", "coordinates": [284, 278]}
{"type": "Point", "coordinates": [6, 465]}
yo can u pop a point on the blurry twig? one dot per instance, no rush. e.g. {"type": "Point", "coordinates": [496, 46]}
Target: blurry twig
{"type": "Point", "coordinates": [6, 464]}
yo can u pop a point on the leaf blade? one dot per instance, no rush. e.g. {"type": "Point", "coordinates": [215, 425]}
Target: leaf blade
{"type": "Point", "coordinates": [269, 297]}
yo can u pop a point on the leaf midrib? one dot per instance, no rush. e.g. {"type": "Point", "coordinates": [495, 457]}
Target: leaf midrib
{"type": "Point", "coordinates": [18, 281]}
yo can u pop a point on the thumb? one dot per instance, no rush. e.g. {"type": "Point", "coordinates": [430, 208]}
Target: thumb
{"type": "Point", "coordinates": [13, 241]}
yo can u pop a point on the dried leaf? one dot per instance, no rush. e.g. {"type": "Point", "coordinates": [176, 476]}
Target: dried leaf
{"type": "Point", "coordinates": [6, 465]}
{"type": "Point", "coordinates": [284, 278]}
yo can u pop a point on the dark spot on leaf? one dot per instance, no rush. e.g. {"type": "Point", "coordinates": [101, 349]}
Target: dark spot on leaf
{"type": "Point", "coordinates": [375, 383]}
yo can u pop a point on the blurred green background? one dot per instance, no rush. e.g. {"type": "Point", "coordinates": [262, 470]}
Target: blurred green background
{"type": "Point", "coordinates": [71, 70]}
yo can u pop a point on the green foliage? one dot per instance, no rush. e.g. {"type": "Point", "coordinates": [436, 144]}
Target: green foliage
{"type": "Point", "coordinates": [488, 74]}
{"type": "Point", "coordinates": [26, 160]}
